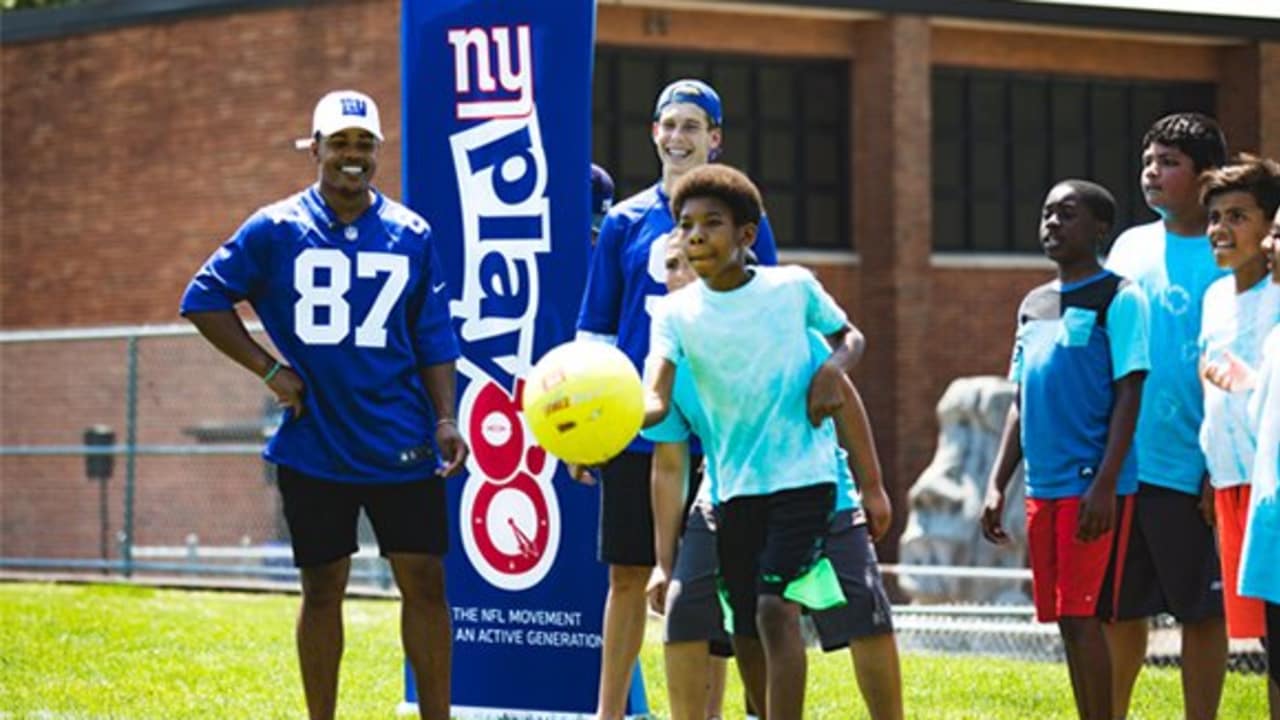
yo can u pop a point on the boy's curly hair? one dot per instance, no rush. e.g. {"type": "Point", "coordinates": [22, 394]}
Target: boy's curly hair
{"type": "Point", "coordinates": [1257, 176]}
{"type": "Point", "coordinates": [1194, 134]}
{"type": "Point", "coordinates": [726, 184]}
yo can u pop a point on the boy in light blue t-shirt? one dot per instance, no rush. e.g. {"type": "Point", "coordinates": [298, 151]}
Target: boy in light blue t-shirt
{"type": "Point", "coordinates": [743, 336]}
{"type": "Point", "coordinates": [1260, 556]}
{"type": "Point", "coordinates": [1238, 312]}
{"type": "Point", "coordinates": [683, 586]}
{"type": "Point", "coordinates": [1167, 562]}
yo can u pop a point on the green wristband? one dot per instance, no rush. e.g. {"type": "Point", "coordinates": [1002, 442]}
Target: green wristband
{"type": "Point", "coordinates": [275, 370]}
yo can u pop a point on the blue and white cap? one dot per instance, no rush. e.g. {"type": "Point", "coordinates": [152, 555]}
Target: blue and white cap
{"type": "Point", "coordinates": [689, 90]}
{"type": "Point", "coordinates": [343, 109]}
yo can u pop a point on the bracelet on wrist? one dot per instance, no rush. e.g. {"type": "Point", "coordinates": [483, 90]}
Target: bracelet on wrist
{"type": "Point", "coordinates": [275, 370]}
{"type": "Point", "coordinates": [447, 421]}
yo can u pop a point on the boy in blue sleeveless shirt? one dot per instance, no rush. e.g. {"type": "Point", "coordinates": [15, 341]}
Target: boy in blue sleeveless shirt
{"type": "Point", "coordinates": [348, 285]}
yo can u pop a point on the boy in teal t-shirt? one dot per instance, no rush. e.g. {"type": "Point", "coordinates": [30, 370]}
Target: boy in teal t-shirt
{"type": "Point", "coordinates": [742, 334]}
{"type": "Point", "coordinates": [1260, 555]}
{"type": "Point", "coordinates": [683, 587]}
{"type": "Point", "coordinates": [1166, 560]}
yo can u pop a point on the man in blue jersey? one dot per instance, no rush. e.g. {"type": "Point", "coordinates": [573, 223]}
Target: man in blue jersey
{"type": "Point", "coordinates": [1079, 360]}
{"type": "Point", "coordinates": [1166, 560]}
{"type": "Point", "coordinates": [625, 278]}
{"type": "Point", "coordinates": [348, 285]}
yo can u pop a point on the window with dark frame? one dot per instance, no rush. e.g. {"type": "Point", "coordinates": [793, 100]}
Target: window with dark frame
{"type": "Point", "coordinates": [786, 125]}
{"type": "Point", "coordinates": [1001, 139]}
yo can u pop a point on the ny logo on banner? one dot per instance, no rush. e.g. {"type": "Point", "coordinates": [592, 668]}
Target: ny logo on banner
{"type": "Point", "coordinates": [474, 53]}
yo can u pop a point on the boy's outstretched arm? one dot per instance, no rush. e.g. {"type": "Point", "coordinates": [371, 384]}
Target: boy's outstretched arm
{"type": "Point", "coordinates": [825, 396]}
{"type": "Point", "coordinates": [667, 491]}
{"type": "Point", "coordinates": [853, 428]}
{"type": "Point", "coordinates": [1007, 459]}
{"type": "Point", "coordinates": [1098, 504]}
{"type": "Point", "coordinates": [659, 375]}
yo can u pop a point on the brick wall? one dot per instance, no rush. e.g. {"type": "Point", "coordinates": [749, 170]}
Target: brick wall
{"type": "Point", "coordinates": [127, 155]}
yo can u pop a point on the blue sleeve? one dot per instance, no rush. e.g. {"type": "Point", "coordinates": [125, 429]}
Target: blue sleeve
{"type": "Point", "coordinates": [822, 313]}
{"type": "Point", "coordinates": [664, 341]}
{"type": "Point", "coordinates": [675, 426]}
{"type": "Point", "coordinates": [1015, 361]}
{"type": "Point", "coordinates": [765, 247]}
{"type": "Point", "coordinates": [434, 341]}
{"type": "Point", "coordinates": [1128, 325]}
{"type": "Point", "coordinates": [602, 298]}
{"type": "Point", "coordinates": [233, 271]}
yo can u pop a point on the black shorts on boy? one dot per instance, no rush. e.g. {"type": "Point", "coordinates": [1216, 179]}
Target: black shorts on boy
{"type": "Point", "coordinates": [693, 607]}
{"type": "Point", "coordinates": [626, 509]}
{"type": "Point", "coordinates": [693, 603]}
{"type": "Point", "coordinates": [322, 515]}
{"type": "Point", "coordinates": [867, 610]}
{"type": "Point", "coordinates": [764, 542]}
{"type": "Point", "coordinates": [1273, 641]}
{"type": "Point", "coordinates": [1164, 560]}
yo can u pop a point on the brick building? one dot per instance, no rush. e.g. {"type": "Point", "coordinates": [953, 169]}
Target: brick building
{"type": "Point", "coordinates": [903, 148]}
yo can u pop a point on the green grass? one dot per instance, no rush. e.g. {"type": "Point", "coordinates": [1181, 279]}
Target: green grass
{"type": "Point", "coordinates": [112, 651]}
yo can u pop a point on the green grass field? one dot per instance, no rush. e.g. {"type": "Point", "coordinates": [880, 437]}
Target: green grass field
{"type": "Point", "coordinates": [113, 651]}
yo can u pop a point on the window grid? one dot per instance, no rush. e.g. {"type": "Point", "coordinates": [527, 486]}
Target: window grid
{"type": "Point", "coordinates": [1072, 143]}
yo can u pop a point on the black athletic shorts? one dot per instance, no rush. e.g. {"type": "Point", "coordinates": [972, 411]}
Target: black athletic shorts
{"type": "Point", "coordinates": [626, 509]}
{"type": "Point", "coordinates": [867, 613]}
{"type": "Point", "coordinates": [693, 602]}
{"type": "Point", "coordinates": [1164, 559]}
{"type": "Point", "coordinates": [1273, 642]}
{"type": "Point", "coordinates": [766, 541]}
{"type": "Point", "coordinates": [322, 516]}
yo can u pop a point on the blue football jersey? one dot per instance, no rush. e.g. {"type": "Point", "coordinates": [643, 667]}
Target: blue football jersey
{"type": "Point", "coordinates": [356, 310]}
{"type": "Point", "coordinates": [628, 273]}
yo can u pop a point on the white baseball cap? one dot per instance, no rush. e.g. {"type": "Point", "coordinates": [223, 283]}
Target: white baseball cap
{"type": "Point", "coordinates": [343, 109]}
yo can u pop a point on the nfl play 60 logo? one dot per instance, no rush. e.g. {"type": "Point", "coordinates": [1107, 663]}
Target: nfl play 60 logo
{"type": "Point", "coordinates": [509, 514]}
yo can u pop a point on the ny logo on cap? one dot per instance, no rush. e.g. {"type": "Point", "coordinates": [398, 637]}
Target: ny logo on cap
{"type": "Point", "coordinates": [354, 106]}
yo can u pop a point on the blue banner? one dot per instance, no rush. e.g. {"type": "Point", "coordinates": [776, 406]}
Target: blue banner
{"type": "Point", "coordinates": [497, 128]}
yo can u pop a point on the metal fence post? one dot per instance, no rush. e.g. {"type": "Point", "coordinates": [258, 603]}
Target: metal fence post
{"type": "Point", "coordinates": [131, 454]}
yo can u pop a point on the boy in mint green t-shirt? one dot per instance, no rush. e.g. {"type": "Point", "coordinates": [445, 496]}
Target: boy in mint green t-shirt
{"type": "Point", "coordinates": [742, 335]}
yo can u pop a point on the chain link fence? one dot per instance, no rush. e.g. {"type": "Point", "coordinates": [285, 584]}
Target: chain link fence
{"type": "Point", "coordinates": [136, 452]}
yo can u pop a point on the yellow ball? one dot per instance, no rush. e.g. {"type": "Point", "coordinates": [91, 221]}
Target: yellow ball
{"type": "Point", "coordinates": [584, 402]}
